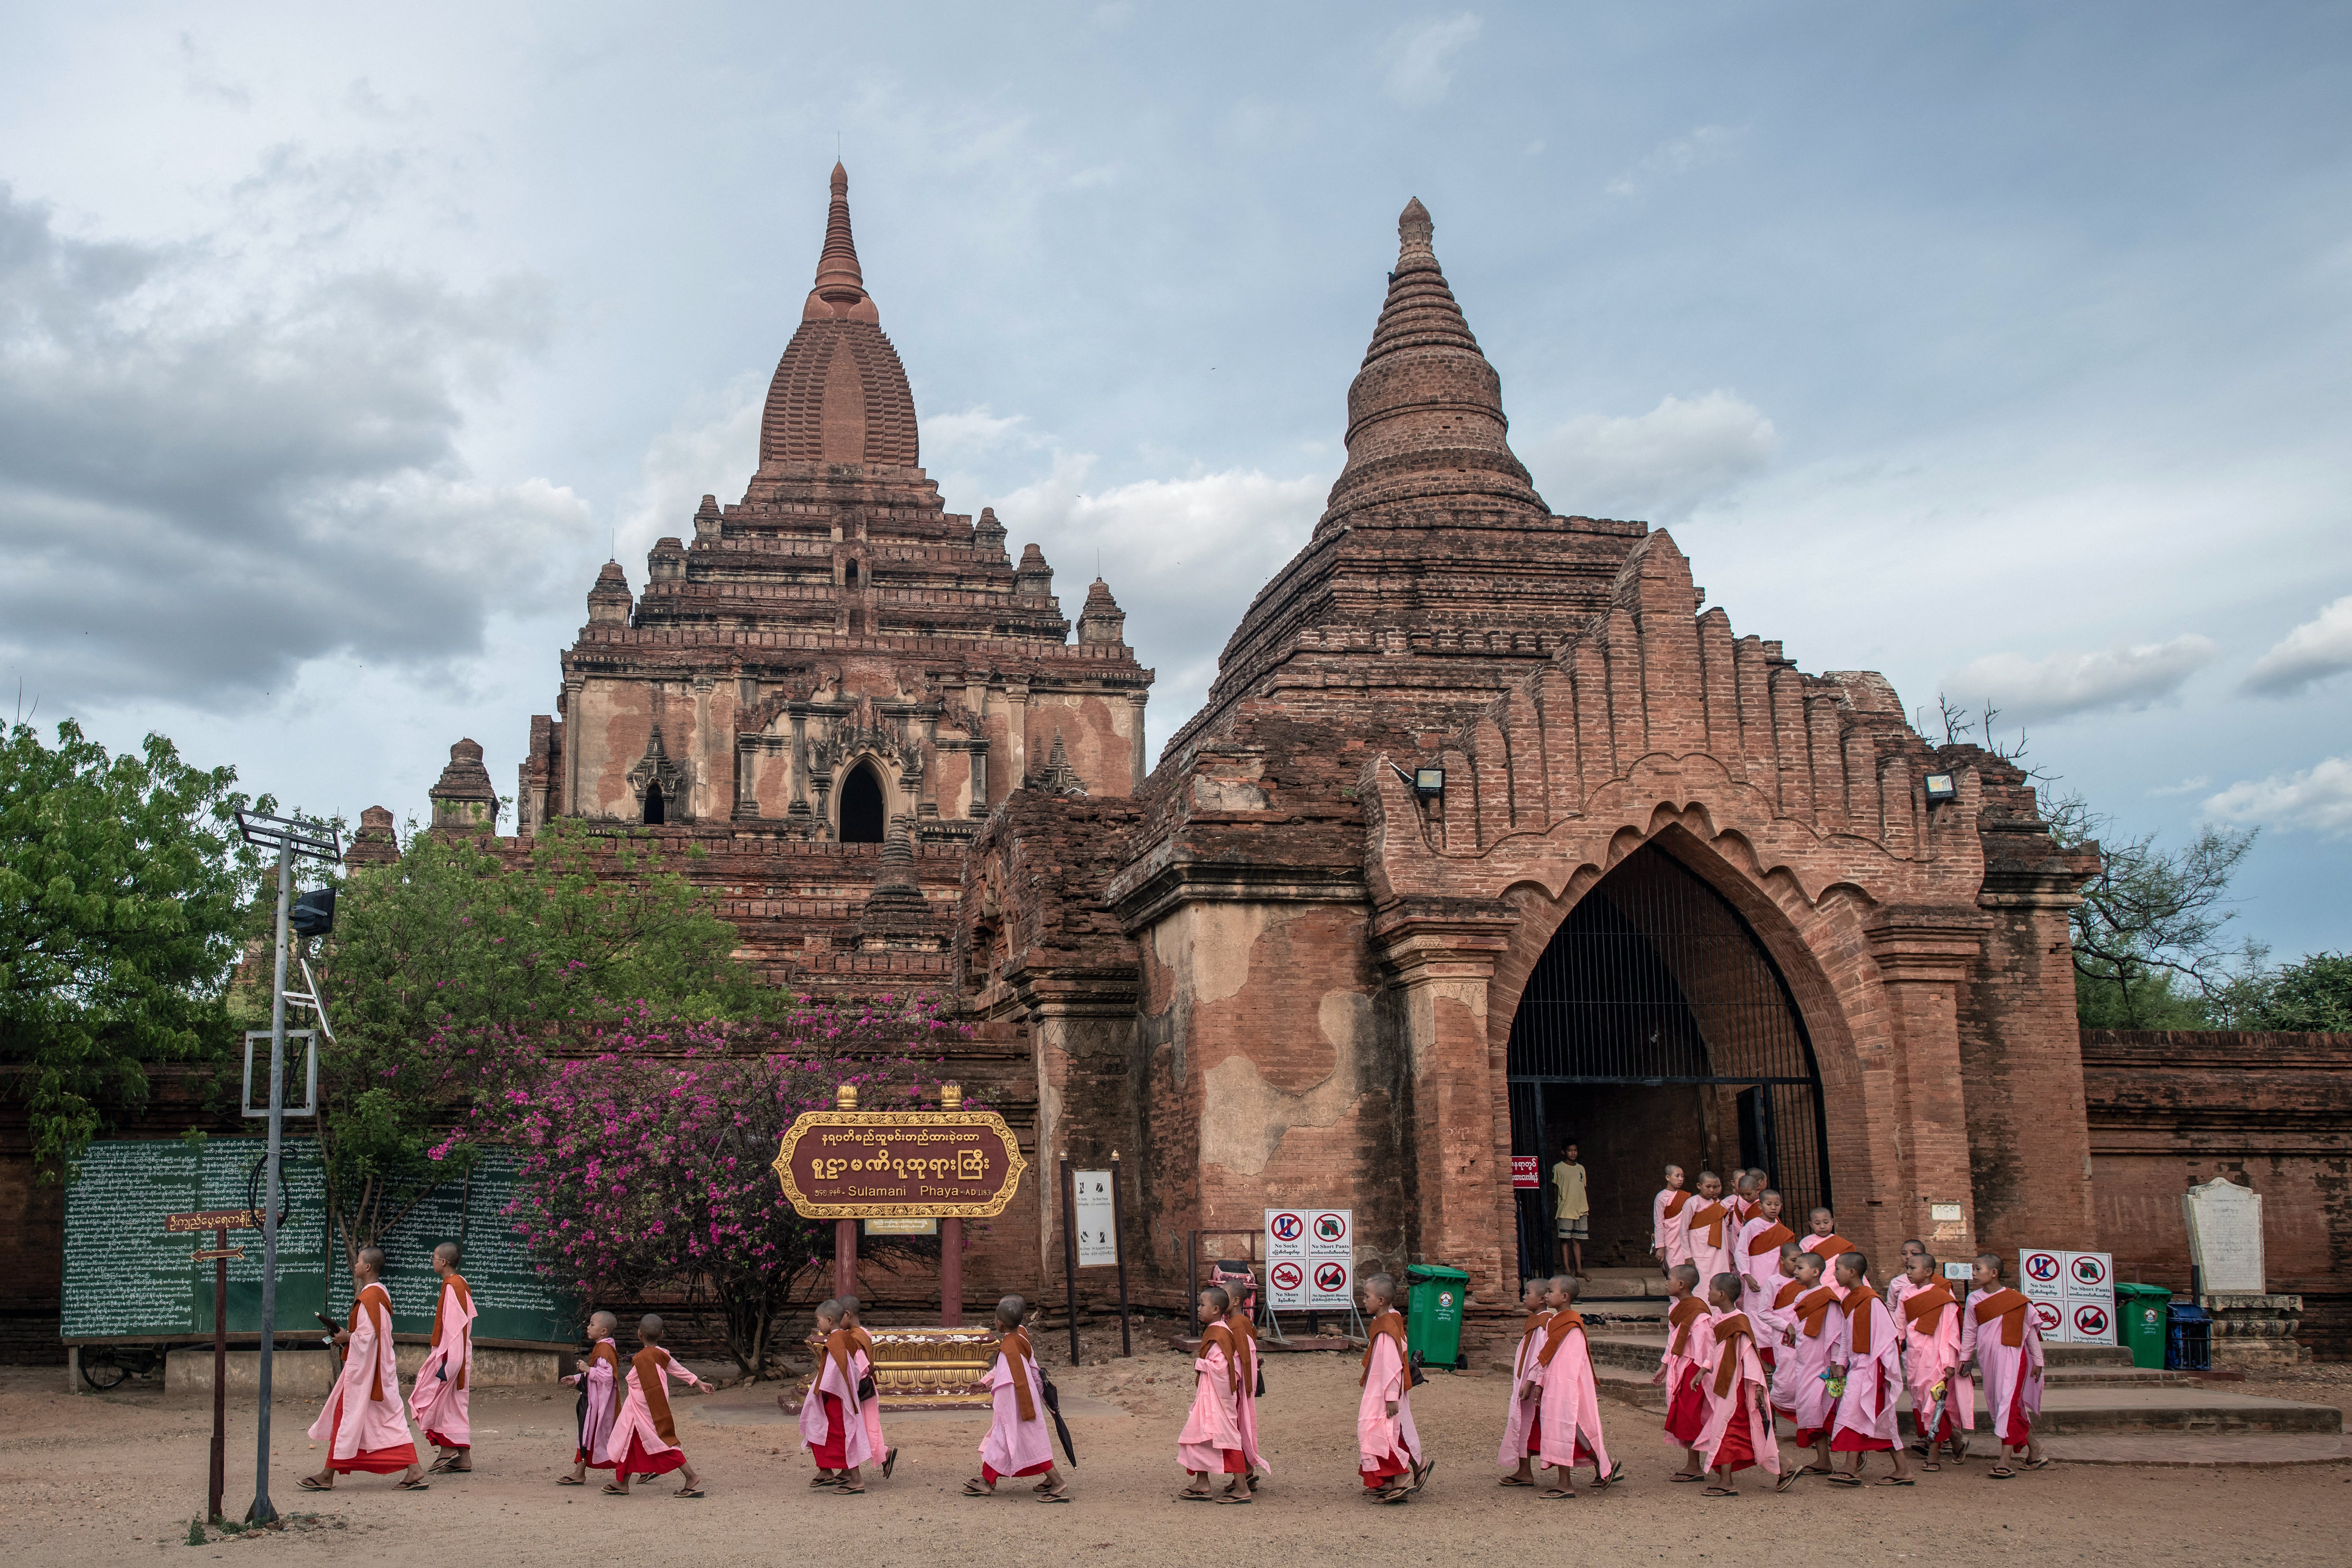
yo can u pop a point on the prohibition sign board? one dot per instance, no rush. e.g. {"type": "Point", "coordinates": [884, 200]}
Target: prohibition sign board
{"type": "Point", "coordinates": [2092, 1323]}
{"type": "Point", "coordinates": [1287, 1278]}
{"type": "Point", "coordinates": [1331, 1282]}
{"type": "Point", "coordinates": [2088, 1270]}
{"type": "Point", "coordinates": [2041, 1274]}
{"type": "Point", "coordinates": [1331, 1230]}
{"type": "Point", "coordinates": [2048, 1318]}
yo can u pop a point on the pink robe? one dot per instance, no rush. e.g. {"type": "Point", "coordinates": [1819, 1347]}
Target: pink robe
{"type": "Point", "coordinates": [1381, 1437]}
{"type": "Point", "coordinates": [1014, 1447]}
{"type": "Point", "coordinates": [363, 1422]}
{"type": "Point", "coordinates": [1692, 1336]}
{"type": "Point", "coordinates": [863, 1366]}
{"type": "Point", "coordinates": [1671, 1232]}
{"type": "Point", "coordinates": [635, 1429]}
{"type": "Point", "coordinates": [1764, 1267]}
{"type": "Point", "coordinates": [1245, 1401]}
{"type": "Point", "coordinates": [1871, 1405]}
{"type": "Point", "coordinates": [1744, 1407]}
{"type": "Point", "coordinates": [1710, 1258]}
{"type": "Point", "coordinates": [1572, 1404]}
{"type": "Point", "coordinates": [1932, 1357]}
{"type": "Point", "coordinates": [596, 1442]}
{"type": "Point", "coordinates": [1212, 1438]}
{"type": "Point", "coordinates": [1519, 1414]}
{"type": "Point", "coordinates": [857, 1439]}
{"type": "Point", "coordinates": [1808, 1397]}
{"type": "Point", "coordinates": [442, 1397]}
{"type": "Point", "coordinates": [2012, 1375]}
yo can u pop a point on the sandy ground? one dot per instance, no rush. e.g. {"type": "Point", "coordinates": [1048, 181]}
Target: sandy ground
{"type": "Point", "coordinates": [118, 1477]}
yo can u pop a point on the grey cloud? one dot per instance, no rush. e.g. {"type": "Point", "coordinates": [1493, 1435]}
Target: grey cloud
{"type": "Point", "coordinates": [1657, 467]}
{"type": "Point", "coordinates": [2066, 683]}
{"type": "Point", "coordinates": [203, 484]}
{"type": "Point", "coordinates": [2314, 651]}
{"type": "Point", "coordinates": [1420, 58]}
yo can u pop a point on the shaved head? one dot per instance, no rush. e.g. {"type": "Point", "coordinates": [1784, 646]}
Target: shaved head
{"type": "Point", "coordinates": [602, 1324]}
{"type": "Point", "coordinates": [1381, 1287]}
{"type": "Point", "coordinates": [1687, 1273]}
{"type": "Point", "coordinates": [372, 1259]}
{"type": "Point", "coordinates": [1565, 1284]}
{"type": "Point", "coordinates": [649, 1328]}
{"type": "Point", "coordinates": [1010, 1310]}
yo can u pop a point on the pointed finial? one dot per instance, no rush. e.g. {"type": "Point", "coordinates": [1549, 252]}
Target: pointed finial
{"type": "Point", "coordinates": [1414, 230]}
{"type": "Point", "coordinates": [840, 283]}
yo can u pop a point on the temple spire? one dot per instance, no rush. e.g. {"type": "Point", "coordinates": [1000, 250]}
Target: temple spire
{"type": "Point", "coordinates": [840, 289]}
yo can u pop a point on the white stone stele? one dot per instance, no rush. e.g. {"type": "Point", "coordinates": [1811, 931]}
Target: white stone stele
{"type": "Point", "coordinates": [2225, 1236]}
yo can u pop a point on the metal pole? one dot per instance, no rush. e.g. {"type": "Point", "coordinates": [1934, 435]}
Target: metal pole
{"type": "Point", "coordinates": [952, 1273]}
{"type": "Point", "coordinates": [220, 1376]}
{"type": "Point", "coordinates": [1118, 1239]}
{"type": "Point", "coordinates": [263, 1511]}
{"type": "Point", "coordinates": [1070, 1251]}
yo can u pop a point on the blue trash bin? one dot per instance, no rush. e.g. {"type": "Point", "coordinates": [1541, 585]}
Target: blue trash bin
{"type": "Point", "coordinates": [2190, 1339]}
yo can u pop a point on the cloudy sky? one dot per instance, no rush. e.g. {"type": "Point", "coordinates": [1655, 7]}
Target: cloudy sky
{"type": "Point", "coordinates": [2001, 348]}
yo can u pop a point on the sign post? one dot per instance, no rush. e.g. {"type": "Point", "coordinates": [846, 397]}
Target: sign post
{"type": "Point", "coordinates": [846, 1165]}
{"type": "Point", "coordinates": [1125, 1344]}
{"type": "Point", "coordinates": [1094, 1213]}
{"type": "Point", "coordinates": [1070, 1250]}
{"type": "Point", "coordinates": [220, 1222]}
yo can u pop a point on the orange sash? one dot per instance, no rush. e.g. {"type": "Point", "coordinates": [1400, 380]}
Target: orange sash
{"type": "Point", "coordinates": [1387, 1324]}
{"type": "Point", "coordinates": [1015, 1346]}
{"type": "Point", "coordinates": [1219, 1336]}
{"type": "Point", "coordinates": [1685, 1310]}
{"type": "Point", "coordinates": [1675, 1204]}
{"type": "Point", "coordinates": [649, 1363]}
{"type": "Point", "coordinates": [1814, 1309]}
{"type": "Point", "coordinates": [605, 1352]}
{"type": "Point", "coordinates": [1771, 1240]}
{"type": "Point", "coordinates": [1729, 1326]}
{"type": "Point", "coordinates": [1710, 1219]}
{"type": "Point", "coordinates": [1790, 1290]}
{"type": "Point", "coordinates": [1555, 1334]}
{"type": "Point", "coordinates": [1535, 1320]}
{"type": "Point", "coordinates": [1858, 1302]}
{"type": "Point", "coordinates": [377, 1301]}
{"type": "Point", "coordinates": [2009, 1307]}
{"type": "Point", "coordinates": [1925, 1303]}
{"type": "Point", "coordinates": [839, 1345]}
{"type": "Point", "coordinates": [1828, 1248]}
{"type": "Point", "coordinates": [1244, 1349]}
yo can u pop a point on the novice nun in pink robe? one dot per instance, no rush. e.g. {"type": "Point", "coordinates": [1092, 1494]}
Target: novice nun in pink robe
{"type": "Point", "coordinates": [1211, 1442]}
{"type": "Point", "coordinates": [441, 1398]}
{"type": "Point", "coordinates": [1525, 1395]}
{"type": "Point", "coordinates": [833, 1427]}
{"type": "Point", "coordinates": [599, 1406]}
{"type": "Point", "coordinates": [1758, 1254]}
{"type": "Point", "coordinates": [1998, 1333]}
{"type": "Point", "coordinates": [1866, 1411]}
{"type": "Point", "coordinates": [645, 1438]}
{"type": "Point", "coordinates": [363, 1422]}
{"type": "Point", "coordinates": [1020, 1440]}
{"type": "Point", "coordinates": [1820, 1332]}
{"type": "Point", "coordinates": [1387, 1446]}
{"type": "Point", "coordinates": [1739, 1431]}
{"type": "Point", "coordinates": [1670, 1223]}
{"type": "Point", "coordinates": [1245, 1392]}
{"type": "Point", "coordinates": [1931, 1355]}
{"type": "Point", "coordinates": [1570, 1434]}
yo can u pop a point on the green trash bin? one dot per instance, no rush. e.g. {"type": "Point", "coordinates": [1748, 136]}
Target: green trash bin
{"type": "Point", "coordinates": [1434, 1295]}
{"type": "Point", "coordinates": [2141, 1310]}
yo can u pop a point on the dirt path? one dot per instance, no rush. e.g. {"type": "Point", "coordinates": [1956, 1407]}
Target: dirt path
{"type": "Point", "coordinates": [118, 1478]}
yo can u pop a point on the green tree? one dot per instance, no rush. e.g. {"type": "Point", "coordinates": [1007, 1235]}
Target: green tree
{"type": "Point", "coordinates": [2149, 936]}
{"type": "Point", "coordinates": [2315, 994]}
{"type": "Point", "coordinates": [452, 937]}
{"type": "Point", "coordinates": [124, 893]}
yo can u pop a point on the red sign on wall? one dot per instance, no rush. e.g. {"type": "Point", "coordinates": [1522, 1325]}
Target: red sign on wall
{"type": "Point", "coordinates": [1523, 1174]}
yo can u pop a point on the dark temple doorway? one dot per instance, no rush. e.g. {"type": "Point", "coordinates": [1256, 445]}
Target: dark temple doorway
{"type": "Point", "coordinates": [1656, 1029]}
{"type": "Point", "coordinates": [862, 815]}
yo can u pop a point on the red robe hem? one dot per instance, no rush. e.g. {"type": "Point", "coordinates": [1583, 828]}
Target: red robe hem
{"type": "Point", "coordinates": [991, 1475]}
{"type": "Point", "coordinates": [637, 1462]}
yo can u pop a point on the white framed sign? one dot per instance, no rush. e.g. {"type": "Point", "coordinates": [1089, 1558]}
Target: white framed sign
{"type": "Point", "coordinates": [1096, 1218]}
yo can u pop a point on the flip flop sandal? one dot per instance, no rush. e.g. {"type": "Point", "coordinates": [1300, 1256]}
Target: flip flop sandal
{"type": "Point", "coordinates": [1932, 1470]}
{"type": "Point", "coordinates": [1680, 1476]}
{"type": "Point", "coordinates": [2039, 1463]}
{"type": "Point", "coordinates": [1252, 1480]}
{"type": "Point", "coordinates": [1421, 1477]}
{"type": "Point", "coordinates": [823, 1479]}
{"type": "Point", "coordinates": [1061, 1494]}
{"type": "Point", "coordinates": [889, 1463]}
{"type": "Point", "coordinates": [1603, 1483]}
{"type": "Point", "coordinates": [977, 1487]}
{"type": "Point", "coordinates": [308, 1485]}
{"type": "Point", "coordinates": [1558, 1494]}
{"type": "Point", "coordinates": [611, 1490]}
{"type": "Point", "coordinates": [418, 1485]}
{"type": "Point", "coordinates": [1513, 1481]}
{"type": "Point", "coordinates": [1392, 1497]}
{"type": "Point", "coordinates": [1841, 1478]}
{"type": "Point", "coordinates": [1239, 1498]}
{"type": "Point", "coordinates": [1894, 1482]}
{"type": "Point", "coordinates": [2001, 1473]}
{"type": "Point", "coordinates": [688, 1492]}
{"type": "Point", "coordinates": [1786, 1482]}
{"type": "Point", "coordinates": [570, 1481]}
{"type": "Point", "coordinates": [1718, 1492]}
{"type": "Point", "coordinates": [1189, 1495]}
{"type": "Point", "coordinates": [837, 1491]}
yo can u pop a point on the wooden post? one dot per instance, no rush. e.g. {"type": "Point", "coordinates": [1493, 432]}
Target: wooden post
{"type": "Point", "coordinates": [1119, 1235]}
{"type": "Point", "coordinates": [1070, 1250]}
{"type": "Point", "coordinates": [844, 1257]}
{"type": "Point", "coordinates": [220, 1374]}
{"type": "Point", "coordinates": [952, 1238]}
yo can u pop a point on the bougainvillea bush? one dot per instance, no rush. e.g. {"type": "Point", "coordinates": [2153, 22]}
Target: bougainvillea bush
{"type": "Point", "coordinates": [646, 1144]}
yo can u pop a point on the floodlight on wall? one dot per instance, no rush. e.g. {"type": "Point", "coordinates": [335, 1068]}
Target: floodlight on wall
{"type": "Point", "coordinates": [1429, 783]}
{"type": "Point", "coordinates": [1942, 789]}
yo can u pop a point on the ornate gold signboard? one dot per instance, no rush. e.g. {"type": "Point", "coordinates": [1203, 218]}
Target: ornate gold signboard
{"type": "Point", "coordinates": [847, 1164]}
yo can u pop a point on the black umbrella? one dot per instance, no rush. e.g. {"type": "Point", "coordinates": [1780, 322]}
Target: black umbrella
{"type": "Point", "coordinates": [1061, 1427]}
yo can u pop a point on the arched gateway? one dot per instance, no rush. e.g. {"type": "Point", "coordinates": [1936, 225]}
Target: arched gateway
{"type": "Point", "coordinates": [1657, 1022]}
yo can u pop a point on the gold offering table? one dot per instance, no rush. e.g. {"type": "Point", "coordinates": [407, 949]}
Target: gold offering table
{"type": "Point", "coordinates": [924, 1369]}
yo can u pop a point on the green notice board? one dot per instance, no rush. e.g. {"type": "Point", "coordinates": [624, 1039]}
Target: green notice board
{"type": "Point", "coordinates": [513, 1298]}
{"type": "Point", "coordinates": [126, 1277]}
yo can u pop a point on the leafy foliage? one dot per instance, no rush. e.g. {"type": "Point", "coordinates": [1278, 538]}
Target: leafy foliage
{"type": "Point", "coordinates": [123, 894]}
{"type": "Point", "coordinates": [452, 938]}
{"type": "Point", "coordinates": [646, 1144]}
{"type": "Point", "coordinates": [2313, 995]}
{"type": "Point", "coordinates": [2149, 936]}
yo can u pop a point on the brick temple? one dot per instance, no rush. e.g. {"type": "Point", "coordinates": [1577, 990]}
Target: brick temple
{"type": "Point", "coordinates": [1492, 832]}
